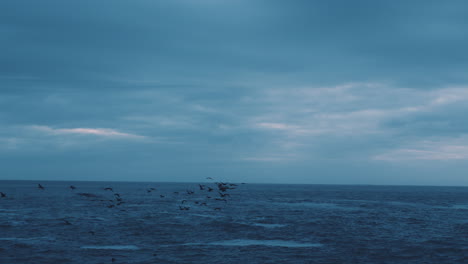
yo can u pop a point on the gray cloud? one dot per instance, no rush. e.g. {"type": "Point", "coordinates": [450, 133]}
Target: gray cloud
{"type": "Point", "coordinates": [252, 90]}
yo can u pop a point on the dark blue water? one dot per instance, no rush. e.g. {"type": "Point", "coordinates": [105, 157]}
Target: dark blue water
{"type": "Point", "coordinates": [256, 224]}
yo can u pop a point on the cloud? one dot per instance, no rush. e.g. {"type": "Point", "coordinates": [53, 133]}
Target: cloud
{"type": "Point", "coordinates": [101, 132]}
{"type": "Point", "coordinates": [266, 159]}
{"type": "Point", "coordinates": [9, 143]}
{"type": "Point", "coordinates": [356, 120]}
{"type": "Point", "coordinates": [279, 126]}
{"type": "Point", "coordinates": [442, 150]}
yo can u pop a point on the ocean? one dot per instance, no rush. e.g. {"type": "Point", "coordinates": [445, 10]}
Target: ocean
{"type": "Point", "coordinates": [253, 223]}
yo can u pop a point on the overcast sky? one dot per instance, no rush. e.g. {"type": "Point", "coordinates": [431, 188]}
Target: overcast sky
{"type": "Point", "coordinates": [341, 92]}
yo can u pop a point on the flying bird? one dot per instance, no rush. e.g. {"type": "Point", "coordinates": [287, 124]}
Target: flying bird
{"type": "Point", "coordinates": [3, 194]}
{"type": "Point", "coordinates": [108, 189]}
{"type": "Point", "coordinates": [40, 186]}
{"type": "Point", "coordinates": [72, 187]}
{"type": "Point", "coordinates": [224, 194]}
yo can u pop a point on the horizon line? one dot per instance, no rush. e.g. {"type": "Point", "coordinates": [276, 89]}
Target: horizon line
{"type": "Point", "coordinates": [248, 183]}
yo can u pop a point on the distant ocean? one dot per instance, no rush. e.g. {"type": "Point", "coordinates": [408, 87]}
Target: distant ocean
{"type": "Point", "coordinates": [253, 223]}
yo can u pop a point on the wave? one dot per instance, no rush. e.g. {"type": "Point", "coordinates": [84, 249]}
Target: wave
{"type": "Point", "coordinates": [248, 242]}
{"type": "Point", "coordinates": [206, 216]}
{"type": "Point", "coordinates": [112, 247]}
{"type": "Point", "coordinates": [269, 225]}
{"type": "Point", "coordinates": [27, 239]}
{"type": "Point", "coordinates": [11, 223]}
{"type": "Point", "coordinates": [326, 206]}
{"type": "Point", "coordinates": [459, 207]}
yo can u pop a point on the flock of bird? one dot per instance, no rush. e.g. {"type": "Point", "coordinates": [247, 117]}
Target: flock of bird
{"type": "Point", "coordinates": [215, 195]}
{"type": "Point", "coordinates": [216, 192]}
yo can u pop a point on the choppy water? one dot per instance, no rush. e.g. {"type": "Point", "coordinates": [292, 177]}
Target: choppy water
{"type": "Point", "coordinates": [257, 224]}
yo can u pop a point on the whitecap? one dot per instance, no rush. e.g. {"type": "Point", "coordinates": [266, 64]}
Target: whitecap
{"type": "Point", "coordinates": [269, 225]}
{"type": "Point", "coordinates": [7, 210]}
{"type": "Point", "coordinates": [329, 206]}
{"type": "Point", "coordinates": [18, 223]}
{"type": "Point", "coordinates": [113, 247]}
{"type": "Point", "coordinates": [95, 218]}
{"type": "Point", "coordinates": [27, 239]}
{"type": "Point", "coordinates": [7, 214]}
{"type": "Point", "coordinates": [460, 206]}
{"type": "Point", "coordinates": [207, 216]}
{"type": "Point", "coordinates": [266, 243]}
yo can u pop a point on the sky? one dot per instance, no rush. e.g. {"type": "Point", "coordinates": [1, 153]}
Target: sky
{"type": "Point", "coordinates": [260, 91]}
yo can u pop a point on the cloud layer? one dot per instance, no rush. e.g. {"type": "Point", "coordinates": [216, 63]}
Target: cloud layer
{"type": "Point", "coordinates": [260, 91]}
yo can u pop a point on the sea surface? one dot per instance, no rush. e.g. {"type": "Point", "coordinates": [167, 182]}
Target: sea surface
{"type": "Point", "coordinates": [257, 223]}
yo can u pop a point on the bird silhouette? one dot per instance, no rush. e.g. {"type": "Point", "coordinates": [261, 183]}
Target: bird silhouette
{"type": "Point", "coordinates": [224, 194]}
{"type": "Point", "coordinates": [40, 186]}
{"type": "Point", "coordinates": [72, 187]}
{"type": "Point", "coordinates": [3, 195]}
